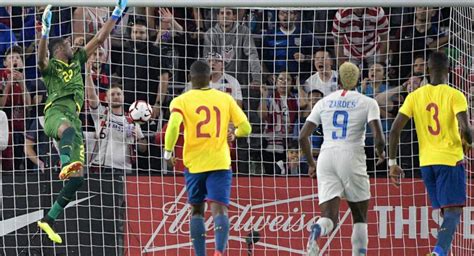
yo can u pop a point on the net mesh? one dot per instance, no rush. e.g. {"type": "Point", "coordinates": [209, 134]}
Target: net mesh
{"type": "Point", "coordinates": [277, 63]}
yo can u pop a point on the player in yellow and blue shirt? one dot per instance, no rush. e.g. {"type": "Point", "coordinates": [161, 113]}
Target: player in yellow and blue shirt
{"type": "Point", "coordinates": [440, 112]}
{"type": "Point", "coordinates": [206, 114]}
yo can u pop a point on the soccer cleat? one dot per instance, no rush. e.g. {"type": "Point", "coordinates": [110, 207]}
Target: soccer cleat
{"type": "Point", "coordinates": [312, 247]}
{"type": "Point", "coordinates": [48, 229]}
{"type": "Point", "coordinates": [70, 169]}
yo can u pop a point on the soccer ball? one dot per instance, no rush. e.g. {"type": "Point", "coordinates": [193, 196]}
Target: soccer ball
{"type": "Point", "coordinates": [140, 111]}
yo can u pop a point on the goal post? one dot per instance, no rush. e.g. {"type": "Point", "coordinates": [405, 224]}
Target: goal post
{"type": "Point", "coordinates": [144, 211]}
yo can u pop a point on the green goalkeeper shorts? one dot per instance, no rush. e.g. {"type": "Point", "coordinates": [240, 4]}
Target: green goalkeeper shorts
{"type": "Point", "coordinates": [64, 111]}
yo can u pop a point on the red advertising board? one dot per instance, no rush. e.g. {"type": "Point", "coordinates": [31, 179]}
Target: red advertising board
{"type": "Point", "coordinates": [281, 211]}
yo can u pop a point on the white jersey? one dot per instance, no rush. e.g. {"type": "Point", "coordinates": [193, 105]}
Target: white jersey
{"type": "Point", "coordinates": [315, 82]}
{"type": "Point", "coordinates": [344, 115]}
{"type": "Point", "coordinates": [115, 139]}
{"type": "Point", "coordinates": [226, 83]}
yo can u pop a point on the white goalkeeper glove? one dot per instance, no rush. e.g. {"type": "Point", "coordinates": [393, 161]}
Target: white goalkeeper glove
{"type": "Point", "coordinates": [118, 11]}
{"type": "Point", "coordinates": [46, 21]}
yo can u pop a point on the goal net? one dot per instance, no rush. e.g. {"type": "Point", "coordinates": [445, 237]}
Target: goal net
{"type": "Point", "coordinates": [276, 63]}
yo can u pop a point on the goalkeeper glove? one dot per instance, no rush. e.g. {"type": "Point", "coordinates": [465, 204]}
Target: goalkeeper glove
{"type": "Point", "coordinates": [119, 9]}
{"type": "Point", "coordinates": [46, 21]}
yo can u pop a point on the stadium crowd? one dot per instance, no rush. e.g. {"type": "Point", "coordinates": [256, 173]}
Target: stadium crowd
{"type": "Point", "coordinates": [277, 64]}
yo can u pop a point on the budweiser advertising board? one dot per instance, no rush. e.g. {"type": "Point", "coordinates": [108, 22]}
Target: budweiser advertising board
{"type": "Point", "coordinates": [279, 213]}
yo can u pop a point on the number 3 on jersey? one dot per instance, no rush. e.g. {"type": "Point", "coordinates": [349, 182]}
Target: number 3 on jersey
{"type": "Point", "coordinates": [436, 129]}
{"type": "Point", "coordinates": [341, 123]}
{"type": "Point", "coordinates": [207, 120]}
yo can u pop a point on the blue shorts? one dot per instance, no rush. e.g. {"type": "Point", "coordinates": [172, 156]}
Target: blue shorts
{"type": "Point", "coordinates": [209, 186]}
{"type": "Point", "coordinates": [446, 185]}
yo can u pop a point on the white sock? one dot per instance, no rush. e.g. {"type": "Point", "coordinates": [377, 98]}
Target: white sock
{"type": "Point", "coordinates": [360, 239]}
{"type": "Point", "coordinates": [326, 225]}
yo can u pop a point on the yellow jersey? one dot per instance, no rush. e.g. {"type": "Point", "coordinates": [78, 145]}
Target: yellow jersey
{"type": "Point", "coordinates": [434, 109]}
{"type": "Point", "coordinates": [206, 117]}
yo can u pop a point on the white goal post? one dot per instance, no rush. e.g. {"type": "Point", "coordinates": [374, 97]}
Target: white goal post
{"type": "Point", "coordinates": [250, 3]}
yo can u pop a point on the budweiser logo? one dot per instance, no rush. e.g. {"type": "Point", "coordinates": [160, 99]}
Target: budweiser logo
{"type": "Point", "coordinates": [243, 219]}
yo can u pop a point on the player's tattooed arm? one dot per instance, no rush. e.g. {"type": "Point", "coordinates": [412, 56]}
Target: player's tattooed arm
{"type": "Point", "coordinates": [305, 133]}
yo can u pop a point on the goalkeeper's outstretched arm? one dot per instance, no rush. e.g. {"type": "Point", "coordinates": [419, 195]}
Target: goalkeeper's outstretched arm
{"type": "Point", "coordinates": [105, 31]}
{"type": "Point", "coordinates": [43, 44]}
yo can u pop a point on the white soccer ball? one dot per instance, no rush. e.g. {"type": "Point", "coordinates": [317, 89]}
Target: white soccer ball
{"type": "Point", "coordinates": [140, 111]}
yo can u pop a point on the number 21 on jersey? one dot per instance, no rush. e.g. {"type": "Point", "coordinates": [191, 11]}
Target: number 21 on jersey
{"type": "Point", "coordinates": [208, 120]}
{"type": "Point", "coordinates": [339, 120]}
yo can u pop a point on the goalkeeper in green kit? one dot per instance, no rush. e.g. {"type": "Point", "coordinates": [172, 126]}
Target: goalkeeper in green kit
{"type": "Point", "coordinates": [63, 79]}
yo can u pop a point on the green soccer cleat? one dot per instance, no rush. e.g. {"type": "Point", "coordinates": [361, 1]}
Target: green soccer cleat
{"type": "Point", "coordinates": [70, 169]}
{"type": "Point", "coordinates": [52, 235]}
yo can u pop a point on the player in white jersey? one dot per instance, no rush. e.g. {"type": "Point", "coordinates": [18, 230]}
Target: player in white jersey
{"type": "Point", "coordinates": [116, 134]}
{"type": "Point", "coordinates": [341, 168]}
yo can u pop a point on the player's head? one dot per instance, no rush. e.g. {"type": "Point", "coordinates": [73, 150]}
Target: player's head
{"type": "Point", "coordinates": [284, 83]}
{"type": "Point", "coordinates": [200, 73]}
{"type": "Point", "coordinates": [13, 58]}
{"type": "Point", "coordinates": [216, 62]}
{"type": "Point", "coordinates": [377, 72]}
{"type": "Point", "coordinates": [349, 75]}
{"type": "Point", "coordinates": [139, 30]}
{"type": "Point", "coordinates": [226, 18]}
{"type": "Point", "coordinates": [60, 48]}
{"type": "Point", "coordinates": [114, 96]}
{"type": "Point", "coordinates": [419, 65]}
{"type": "Point", "coordinates": [287, 18]}
{"type": "Point", "coordinates": [323, 60]}
{"type": "Point", "coordinates": [314, 96]}
{"type": "Point", "coordinates": [438, 65]}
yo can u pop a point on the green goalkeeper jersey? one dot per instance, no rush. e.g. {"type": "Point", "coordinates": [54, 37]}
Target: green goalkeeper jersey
{"type": "Point", "coordinates": [63, 79]}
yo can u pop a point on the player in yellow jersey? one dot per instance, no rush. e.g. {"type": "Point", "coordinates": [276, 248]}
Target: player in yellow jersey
{"type": "Point", "coordinates": [206, 114]}
{"type": "Point", "coordinates": [440, 112]}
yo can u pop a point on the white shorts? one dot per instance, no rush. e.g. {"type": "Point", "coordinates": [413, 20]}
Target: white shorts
{"type": "Point", "coordinates": [342, 173]}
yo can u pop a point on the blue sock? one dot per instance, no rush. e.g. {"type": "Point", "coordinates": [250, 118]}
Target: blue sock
{"type": "Point", "coordinates": [221, 231]}
{"type": "Point", "coordinates": [198, 234]}
{"type": "Point", "coordinates": [446, 232]}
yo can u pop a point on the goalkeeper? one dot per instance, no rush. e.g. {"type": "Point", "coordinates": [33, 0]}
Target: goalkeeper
{"type": "Point", "coordinates": [63, 79]}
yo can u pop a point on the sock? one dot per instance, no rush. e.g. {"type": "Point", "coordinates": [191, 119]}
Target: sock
{"type": "Point", "coordinates": [198, 234]}
{"type": "Point", "coordinates": [65, 145]}
{"type": "Point", "coordinates": [65, 196]}
{"type": "Point", "coordinates": [326, 225]}
{"type": "Point", "coordinates": [446, 232]}
{"type": "Point", "coordinates": [360, 239]}
{"type": "Point", "coordinates": [221, 231]}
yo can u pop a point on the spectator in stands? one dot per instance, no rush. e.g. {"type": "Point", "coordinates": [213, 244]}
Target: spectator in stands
{"type": "Point", "coordinates": [419, 38]}
{"type": "Point", "coordinates": [325, 78]}
{"type": "Point", "coordinates": [419, 66]}
{"type": "Point", "coordinates": [87, 21]}
{"type": "Point", "coordinates": [4, 132]}
{"type": "Point", "coordinates": [170, 39]}
{"type": "Point", "coordinates": [7, 39]}
{"type": "Point", "coordinates": [41, 151]}
{"type": "Point", "coordinates": [14, 100]}
{"type": "Point", "coordinates": [222, 81]}
{"type": "Point", "coordinates": [389, 102]}
{"type": "Point", "coordinates": [143, 69]}
{"type": "Point", "coordinates": [306, 102]}
{"type": "Point", "coordinates": [116, 133]}
{"type": "Point", "coordinates": [293, 165]}
{"type": "Point", "coordinates": [375, 83]}
{"type": "Point", "coordinates": [235, 43]}
{"type": "Point", "coordinates": [288, 47]}
{"type": "Point", "coordinates": [278, 112]}
{"type": "Point", "coordinates": [360, 35]}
